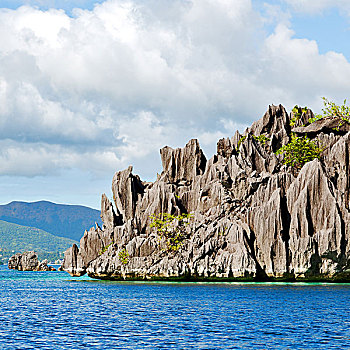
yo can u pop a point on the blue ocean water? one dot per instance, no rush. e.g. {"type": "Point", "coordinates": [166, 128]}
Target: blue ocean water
{"type": "Point", "coordinates": [51, 310]}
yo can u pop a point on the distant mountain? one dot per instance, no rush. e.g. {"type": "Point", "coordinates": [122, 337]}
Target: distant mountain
{"type": "Point", "coordinates": [61, 220]}
{"type": "Point", "coordinates": [16, 238]}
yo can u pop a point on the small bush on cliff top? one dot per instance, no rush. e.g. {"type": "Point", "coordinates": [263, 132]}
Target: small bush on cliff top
{"type": "Point", "coordinates": [171, 229]}
{"type": "Point", "coordinates": [299, 151]}
{"type": "Point", "coordinates": [297, 112]}
{"type": "Point", "coordinates": [332, 110]}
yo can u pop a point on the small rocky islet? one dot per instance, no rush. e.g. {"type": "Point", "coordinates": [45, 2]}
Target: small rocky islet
{"type": "Point", "coordinates": [28, 261]}
{"type": "Point", "coordinates": [251, 216]}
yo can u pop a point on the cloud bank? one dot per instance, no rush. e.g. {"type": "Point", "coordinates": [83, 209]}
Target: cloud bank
{"type": "Point", "coordinates": [104, 88]}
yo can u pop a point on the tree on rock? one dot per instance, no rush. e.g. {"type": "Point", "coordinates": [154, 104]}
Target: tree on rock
{"type": "Point", "coordinates": [299, 151]}
{"type": "Point", "coordinates": [171, 229]}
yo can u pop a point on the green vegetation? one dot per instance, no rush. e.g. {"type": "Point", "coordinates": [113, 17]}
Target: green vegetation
{"type": "Point", "coordinates": [171, 229]}
{"type": "Point", "coordinates": [332, 110]}
{"type": "Point", "coordinates": [316, 117]}
{"type": "Point", "coordinates": [297, 112]}
{"type": "Point", "coordinates": [123, 256]}
{"type": "Point", "coordinates": [299, 151]}
{"type": "Point", "coordinates": [241, 140]}
{"type": "Point", "coordinates": [16, 238]}
{"type": "Point", "coordinates": [104, 249]}
{"type": "Point", "coordinates": [262, 139]}
{"type": "Point", "coordinates": [69, 221]}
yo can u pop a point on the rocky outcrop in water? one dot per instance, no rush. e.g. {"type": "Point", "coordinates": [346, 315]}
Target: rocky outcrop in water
{"type": "Point", "coordinates": [28, 261]}
{"type": "Point", "coordinates": [252, 217]}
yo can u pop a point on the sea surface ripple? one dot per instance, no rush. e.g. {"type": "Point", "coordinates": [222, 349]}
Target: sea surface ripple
{"type": "Point", "coordinates": [51, 310]}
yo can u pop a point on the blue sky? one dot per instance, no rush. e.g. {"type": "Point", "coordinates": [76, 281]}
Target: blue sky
{"type": "Point", "coordinates": [90, 87]}
{"type": "Point", "coordinates": [330, 28]}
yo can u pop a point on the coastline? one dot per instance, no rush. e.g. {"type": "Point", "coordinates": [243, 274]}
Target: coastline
{"type": "Point", "coordinates": [192, 279]}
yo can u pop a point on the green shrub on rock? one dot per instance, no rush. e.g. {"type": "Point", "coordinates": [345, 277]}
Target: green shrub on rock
{"type": "Point", "coordinates": [332, 110]}
{"type": "Point", "coordinates": [261, 138]}
{"type": "Point", "coordinates": [296, 114]}
{"type": "Point", "coordinates": [104, 249]}
{"type": "Point", "coordinates": [240, 141]}
{"type": "Point", "coordinates": [171, 229]}
{"type": "Point", "coordinates": [299, 151]}
{"type": "Point", "coordinates": [123, 256]}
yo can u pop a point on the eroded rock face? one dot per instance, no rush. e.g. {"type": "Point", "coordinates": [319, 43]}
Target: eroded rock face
{"type": "Point", "coordinates": [44, 267]}
{"type": "Point", "coordinates": [251, 216]}
{"type": "Point", "coordinates": [326, 125]}
{"type": "Point", "coordinates": [28, 261]}
{"type": "Point", "coordinates": [183, 164]}
{"type": "Point", "coordinates": [275, 124]}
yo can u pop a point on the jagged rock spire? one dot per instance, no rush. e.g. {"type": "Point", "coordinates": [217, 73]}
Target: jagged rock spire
{"type": "Point", "coordinates": [251, 216]}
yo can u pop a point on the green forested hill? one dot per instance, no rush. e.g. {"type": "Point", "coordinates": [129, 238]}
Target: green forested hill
{"type": "Point", "coordinates": [16, 238]}
{"type": "Point", "coordinates": [69, 221]}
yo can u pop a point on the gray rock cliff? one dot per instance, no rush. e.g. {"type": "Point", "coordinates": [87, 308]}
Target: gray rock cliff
{"type": "Point", "coordinates": [28, 261]}
{"type": "Point", "coordinates": [251, 216]}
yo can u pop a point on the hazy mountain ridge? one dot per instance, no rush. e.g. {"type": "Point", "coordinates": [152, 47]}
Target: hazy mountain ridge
{"type": "Point", "coordinates": [60, 220]}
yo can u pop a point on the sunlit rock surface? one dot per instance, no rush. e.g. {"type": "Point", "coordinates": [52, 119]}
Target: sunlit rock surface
{"type": "Point", "coordinates": [28, 261]}
{"type": "Point", "coordinates": [252, 217]}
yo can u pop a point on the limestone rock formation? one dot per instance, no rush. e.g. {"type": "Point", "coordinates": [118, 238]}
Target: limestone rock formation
{"type": "Point", "coordinates": [250, 215]}
{"type": "Point", "coordinates": [333, 125]}
{"type": "Point", "coordinates": [44, 267]}
{"type": "Point", "coordinates": [28, 261]}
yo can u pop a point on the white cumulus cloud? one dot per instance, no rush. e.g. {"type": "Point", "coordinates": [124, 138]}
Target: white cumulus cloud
{"type": "Point", "coordinates": [104, 88]}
